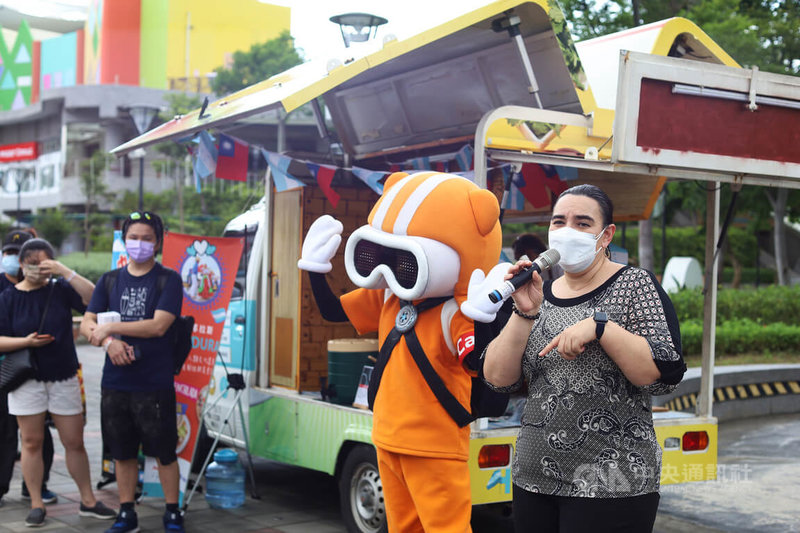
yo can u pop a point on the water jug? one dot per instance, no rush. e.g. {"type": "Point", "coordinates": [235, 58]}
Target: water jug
{"type": "Point", "coordinates": [225, 481]}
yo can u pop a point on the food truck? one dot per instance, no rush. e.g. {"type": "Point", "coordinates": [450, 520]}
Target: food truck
{"type": "Point", "coordinates": [507, 81]}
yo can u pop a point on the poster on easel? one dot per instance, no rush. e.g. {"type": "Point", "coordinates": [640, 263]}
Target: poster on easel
{"type": "Point", "coordinates": [207, 266]}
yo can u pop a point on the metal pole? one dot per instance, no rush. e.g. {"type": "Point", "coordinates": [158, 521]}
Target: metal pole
{"type": "Point", "coordinates": [664, 230]}
{"type": "Point", "coordinates": [141, 182]}
{"type": "Point", "coordinates": [705, 399]}
{"type": "Point", "coordinates": [533, 87]}
{"type": "Point", "coordinates": [19, 198]}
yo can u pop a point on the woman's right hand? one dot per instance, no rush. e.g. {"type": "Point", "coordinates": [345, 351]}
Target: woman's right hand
{"type": "Point", "coordinates": [527, 298]}
{"type": "Point", "coordinates": [120, 353]}
{"type": "Point", "coordinates": [35, 340]}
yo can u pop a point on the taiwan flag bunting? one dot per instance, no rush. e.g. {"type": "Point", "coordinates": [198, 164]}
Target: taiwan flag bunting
{"type": "Point", "coordinates": [279, 166]}
{"type": "Point", "coordinates": [513, 199]}
{"type": "Point", "coordinates": [420, 163]}
{"type": "Point", "coordinates": [566, 173]}
{"type": "Point", "coordinates": [370, 177]}
{"type": "Point", "coordinates": [232, 158]}
{"type": "Point", "coordinates": [206, 160]}
{"type": "Point", "coordinates": [538, 179]}
{"type": "Point", "coordinates": [324, 175]}
{"type": "Point", "coordinates": [464, 158]}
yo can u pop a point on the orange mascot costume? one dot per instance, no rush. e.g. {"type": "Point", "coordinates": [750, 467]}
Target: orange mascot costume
{"type": "Point", "coordinates": [429, 238]}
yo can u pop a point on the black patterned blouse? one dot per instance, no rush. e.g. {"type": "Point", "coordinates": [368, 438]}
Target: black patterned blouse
{"type": "Point", "coordinates": [586, 430]}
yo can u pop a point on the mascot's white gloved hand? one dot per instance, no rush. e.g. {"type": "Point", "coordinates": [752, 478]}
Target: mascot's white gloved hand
{"type": "Point", "coordinates": [320, 245]}
{"type": "Point", "coordinates": [478, 306]}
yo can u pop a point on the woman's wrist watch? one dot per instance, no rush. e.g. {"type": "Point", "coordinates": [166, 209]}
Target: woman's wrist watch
{"type": "Point", "coordinates": [600, 321]}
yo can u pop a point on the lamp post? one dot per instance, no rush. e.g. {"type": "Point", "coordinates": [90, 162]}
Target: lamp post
{"type": "Point", "coordinates": [142, 115]}
{"type": "Point", "coordinates": [18, 180]}
{"type": "Point", "coordinates": [353, 26]}
{"type": "Point", "coordinates": [139, 154]}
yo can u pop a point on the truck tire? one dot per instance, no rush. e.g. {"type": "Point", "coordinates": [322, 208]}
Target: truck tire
{"type": "Point", "coordinates": [361, 492]}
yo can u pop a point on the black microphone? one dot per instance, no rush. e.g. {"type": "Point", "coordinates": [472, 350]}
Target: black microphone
{"type": "Point", "coordinates": [545, 260]}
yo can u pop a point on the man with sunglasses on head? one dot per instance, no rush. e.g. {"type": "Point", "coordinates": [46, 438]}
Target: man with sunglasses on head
{"type": "Point", "coordinates": [138, 392]}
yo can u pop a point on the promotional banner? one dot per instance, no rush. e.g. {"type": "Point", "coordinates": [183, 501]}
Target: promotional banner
{"type": "Point", "coordinates": [119, 255]}
{"type": "Point", "coordinates": [207, 266]}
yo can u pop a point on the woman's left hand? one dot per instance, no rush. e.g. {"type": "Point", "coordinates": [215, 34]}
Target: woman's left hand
{"type": "Point", "coordinates": [572, 341]}
{"type": "Point", "coordinates": [52, 267]}
{"type": "Point", "coordinates": [100, 333]}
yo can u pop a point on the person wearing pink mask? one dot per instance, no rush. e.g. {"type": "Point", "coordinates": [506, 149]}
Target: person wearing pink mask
{"type": "Point", "coordinates": [592, 346]}
{"type": "Point", "coordinates": [138, 392]}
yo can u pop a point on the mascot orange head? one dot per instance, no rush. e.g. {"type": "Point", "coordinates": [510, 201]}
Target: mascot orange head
{"type": "Point", "coordinates": [426, 235]}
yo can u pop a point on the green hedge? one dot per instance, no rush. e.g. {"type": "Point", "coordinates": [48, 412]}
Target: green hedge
{"type": "Point", "coordinates": [742, 336]}
{"type": "Point", "coordinates": [765, 305]}
{"type": "Point", "coordinates": [691, 241]}
{"type": "Point", "coordinates": [91, 267]}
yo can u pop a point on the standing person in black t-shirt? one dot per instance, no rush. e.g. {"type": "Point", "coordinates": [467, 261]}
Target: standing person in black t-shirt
{"type": "Point", "coordinates": [55, 387]}
{"type": "Point", "coordinates": [10, 276]}
{"type": "Point", "coordinates": [138, 397]}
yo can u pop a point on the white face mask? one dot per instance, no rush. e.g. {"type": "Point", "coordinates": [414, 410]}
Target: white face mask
{"type": "Point", "coordinates": [577, 248]}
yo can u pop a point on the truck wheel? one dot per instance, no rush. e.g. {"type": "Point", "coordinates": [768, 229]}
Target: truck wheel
{"type": "Point", "coordinates": [361, 492]}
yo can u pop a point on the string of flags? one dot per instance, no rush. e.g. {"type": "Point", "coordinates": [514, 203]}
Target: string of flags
{"type": "Point", "coordinates": [228, 159]}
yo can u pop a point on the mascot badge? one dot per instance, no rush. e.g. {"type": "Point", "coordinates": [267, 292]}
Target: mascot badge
{"type": "Point", "coordinates": [421, 266]}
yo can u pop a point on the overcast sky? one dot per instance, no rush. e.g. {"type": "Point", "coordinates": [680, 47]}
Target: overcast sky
{"type": "Point", "coordinates": [313, 32]}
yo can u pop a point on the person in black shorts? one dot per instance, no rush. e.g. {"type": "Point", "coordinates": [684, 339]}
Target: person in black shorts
{"type": "Point", "coordinates": [138, 392]}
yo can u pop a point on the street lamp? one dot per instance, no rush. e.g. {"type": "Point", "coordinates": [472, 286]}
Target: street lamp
{"type": "Point", "coordinates": [142, 115]}
{"type": "Point", "coordinates": [357, 27]}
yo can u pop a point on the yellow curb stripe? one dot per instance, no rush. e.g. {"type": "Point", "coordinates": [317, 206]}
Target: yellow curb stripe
{"type": "Point", "coordinates": [794, 386]}
{"type": "Point", "coordinates": [754, 390]}
{"type": "Point", "coordinates": [731, 393]}
{"type": "Point", "coordinates": [767, 389]}
{"type": "Point", "coordinates": [741, 391]}
{"type": "Point", "coordinates": [779, 387]}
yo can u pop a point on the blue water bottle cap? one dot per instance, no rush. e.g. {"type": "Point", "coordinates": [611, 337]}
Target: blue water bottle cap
{"type": "Point", "coordinates": [226, 455]}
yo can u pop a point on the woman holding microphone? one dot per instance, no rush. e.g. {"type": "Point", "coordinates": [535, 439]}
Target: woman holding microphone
{"type": "Point", "coordinates": [592, 347]}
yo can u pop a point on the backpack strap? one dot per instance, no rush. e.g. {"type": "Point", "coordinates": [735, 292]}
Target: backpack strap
{"type": "Point", "coordinates": [110, 282]}
{"type": "Point", "coordinates": [388, 345]}
{"type": "Point", "coordinates": [457, 412]}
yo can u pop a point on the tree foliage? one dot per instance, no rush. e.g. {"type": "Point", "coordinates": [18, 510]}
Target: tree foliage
{"type": "Point", "coordinates": [763, 33]}
{"type": "Point", "coordinates": [94, 189]}
{"type": "Point", "coordinates": [262, 61]}
{"type": "Point", "coordinates": [53, 225]}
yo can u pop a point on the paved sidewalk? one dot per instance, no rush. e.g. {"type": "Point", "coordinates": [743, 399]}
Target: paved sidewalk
{"type": "Point", "coordinates": [310, 506]}
{"type": "Point", "coordinates": [758, 490]}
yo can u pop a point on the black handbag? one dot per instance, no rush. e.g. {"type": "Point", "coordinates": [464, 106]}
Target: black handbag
{"type": "Point", "coordinates": [19, 366]}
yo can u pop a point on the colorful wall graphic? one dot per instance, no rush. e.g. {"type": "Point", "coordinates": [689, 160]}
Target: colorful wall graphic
{"type": "Point", "coordinates": [92, 48]}
{"type": "Point", "coordinates": [147, 43]}
{"type": "Point", "coordinates": [16, 69]}
{"type": "Point", "coordinates": [59, 62]}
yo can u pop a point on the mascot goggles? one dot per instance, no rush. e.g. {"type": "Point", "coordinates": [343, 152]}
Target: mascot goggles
{"type": "Point", "coordinates": [378, 260]}
{"type": "Point", "coordinates": [402, 263]}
